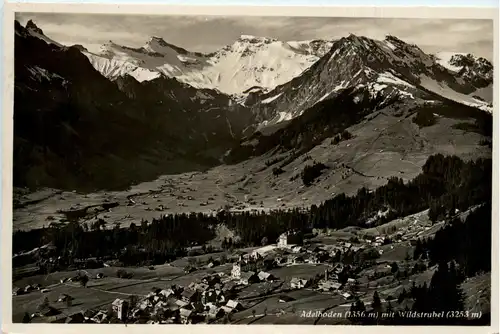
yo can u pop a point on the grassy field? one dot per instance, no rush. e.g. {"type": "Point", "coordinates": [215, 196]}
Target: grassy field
{"type": "Point", "coordinates": [84, 298]}
{"type": "Point", "coordinates": [305, 271]}
{"type": "Point", "coordinates": [304, 300]}
{"type": "Point", "coordinates": [139, 273]}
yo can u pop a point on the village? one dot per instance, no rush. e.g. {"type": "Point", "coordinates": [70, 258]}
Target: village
{"type": "Point", "coordinates": [226, 291]}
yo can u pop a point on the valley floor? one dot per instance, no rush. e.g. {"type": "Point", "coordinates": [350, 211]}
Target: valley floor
{"type": "Point", "coordinates": [382, 146]}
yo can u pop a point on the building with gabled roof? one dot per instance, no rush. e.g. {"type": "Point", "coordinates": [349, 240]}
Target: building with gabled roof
{"type": "Point", "coordinates": [248, 277]}
{"type": "Point", "coordinates": [120, 307]}
{"type": "Point", "coordinates": [298, 283]}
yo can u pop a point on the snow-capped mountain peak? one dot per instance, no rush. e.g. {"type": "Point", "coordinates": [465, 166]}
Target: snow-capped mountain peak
{"type": "Point", "coordinates": [250, 62]}
{"type": "Point", "coordinates": [476, 70]}
{"type": "Point", "coordinates": [386, 69]}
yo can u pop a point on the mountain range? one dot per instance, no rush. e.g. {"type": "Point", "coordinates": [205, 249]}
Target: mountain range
{"type": "Point", "coordinates": [123, 115]}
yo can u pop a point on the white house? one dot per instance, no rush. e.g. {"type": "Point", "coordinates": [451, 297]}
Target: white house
{"type": "Point", "coordinates": [346, 295]}
{"type": "Point", "coordinates": [329, 285]}
{"type": "Point", "coordinates": [120, 307]}
{"type": "Point", "coordinates": [298, 283]}
{"type": "Point", "coordinates": [234, 305]}
{"type": "Point", "coordinates": [236, 271]}
{"type": "Point", "coordinates": [265, 276]}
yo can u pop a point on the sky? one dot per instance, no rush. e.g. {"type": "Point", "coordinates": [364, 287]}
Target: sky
{"type": "Point", "coordinates": [208, 34]}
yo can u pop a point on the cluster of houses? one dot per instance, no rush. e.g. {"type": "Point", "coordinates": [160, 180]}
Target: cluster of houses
{"type": "Point", "coordinates": [214, 296]}
{"type": "Point", "coordinates": [205, 300]}
{"type": "Point", "coordinates": [27, 289]}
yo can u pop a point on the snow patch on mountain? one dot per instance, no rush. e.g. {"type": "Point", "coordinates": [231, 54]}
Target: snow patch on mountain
{"type": "Point", "coordinates": [271, 99]}
{"type": "Point", "coordinates": [444, 58]}
{"type": "Point", "coordinates": [284, 116]}
{"type": "Point", "coordinates": [445, 91]}
{"type": "Point", "coordinates": [387, 77]}
{"type": "Point", "coordinates": [337, 88]}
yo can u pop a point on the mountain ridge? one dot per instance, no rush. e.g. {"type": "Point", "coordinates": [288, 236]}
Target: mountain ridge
{"type": "Point", "coordinates": [179, 124]}
{"type": "Point", "coordinates": [75, 128]}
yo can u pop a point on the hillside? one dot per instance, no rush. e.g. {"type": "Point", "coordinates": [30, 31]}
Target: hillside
{"type": "Point", "coordinates": [75, 129]}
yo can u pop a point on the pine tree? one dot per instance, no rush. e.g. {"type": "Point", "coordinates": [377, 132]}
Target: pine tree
{"type": "Point", "coordinates": [376, 303]}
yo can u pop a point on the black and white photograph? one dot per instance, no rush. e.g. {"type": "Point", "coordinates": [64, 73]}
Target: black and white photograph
{"type": "Point", "coordinates": [251, 170]}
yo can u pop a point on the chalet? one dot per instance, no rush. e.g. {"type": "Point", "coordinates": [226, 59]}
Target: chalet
{"type": "Point", "coordinates": [297, 249]}
{"type": "Point", "coordinates": [265, 276]}
{"type": "Point", "coordinates": [99, 317]}
{"type": "Point", "coordinates": [120, 307]}
{"type": "Point", "coordinates": [298, 283]}
{"type": "Point", "coordinates": [346, 295]}
{"type": "Point", "coordinates": [65, 298]}
{"type": "Point", "coordinates": [181, 303]}
{"type": "Point", "coordinates": [28, 288]}
{"type": "Point", "coordinates": [189, 295]}
{"type": "Point", "coordinates": [165, 293]}
{"type": "Point", "coordinates": [255, 255]}
{"type": "Point", "coordinates": [351, 281]}
{"type": "Point", "coordinates": [186, 315]}
{"type": "Point", "coordinates": [248, 277]}
{"type": "Point", "coordinates": [234, 305]}
{"type": "Point", "coordinates": [144, 304]}
{"type": "Point", "coordinates": [227, 309]}
{"type": "Point", "coordinates": [99, 275]}
{"type": "Point", "coordinates": [16, 291]}
{"type": "Point", "coordinates": [212, 297]}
